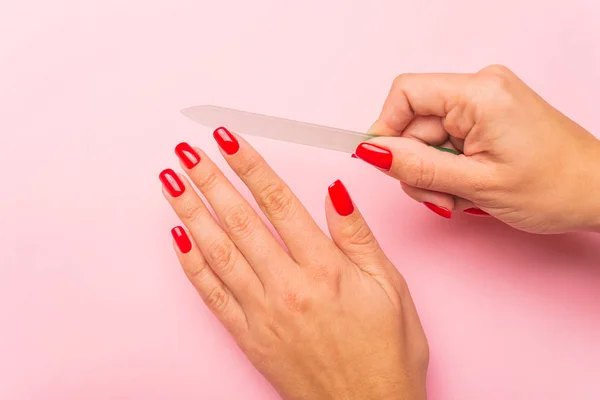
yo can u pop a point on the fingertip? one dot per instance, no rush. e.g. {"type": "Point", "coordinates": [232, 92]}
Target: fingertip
{"type": "Point", "coordinates": [188, 157]}
{"type": "Point", "coordinates": [227, 141]}
{"type": "Point", "coordinates": [181, 239]}
{"type": "Point", "coordinates": [340, 198]}
{"type": "Point", "coordinates": [375, 155]}
{"type": "Point", "coordinates": [172, 182]}
{"type": "Point", "coordinates": [441, 211]}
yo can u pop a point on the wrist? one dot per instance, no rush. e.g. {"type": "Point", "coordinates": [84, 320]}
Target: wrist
{"type": "Point", "coordinates": [380, 388]}
{"type": "Point", "coordinates": [391, 388]}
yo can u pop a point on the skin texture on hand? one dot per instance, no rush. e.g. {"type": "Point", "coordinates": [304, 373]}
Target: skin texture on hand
{"type": "Point", "coordinates": [521, 160]}
{"type": "Point", "coordinates": [324, 318]}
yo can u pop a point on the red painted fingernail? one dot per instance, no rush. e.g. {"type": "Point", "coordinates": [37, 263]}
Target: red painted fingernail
{"type": "Point", "coordinates": [444, 212]}
{"type": "Point", "coordinates": [172, 182]}
{"type": "Point", "coordinates": [226, 140]}
{"type": "Point", "coordinates": [340, 198]}
{"type": "Point", "coordinates": [188, 156]}
{"type": "Point", "coordinates": [375, 155]}
{"type": "Point", "coordinates": [182, 239]}
{"type": "Point", "coordinates": [476, 211]}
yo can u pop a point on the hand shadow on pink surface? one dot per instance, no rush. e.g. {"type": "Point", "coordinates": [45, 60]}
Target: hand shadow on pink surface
{"type": "Point", "coordinates": [414, 226]}
{"type": "Point", "coordinates": [580, 251]}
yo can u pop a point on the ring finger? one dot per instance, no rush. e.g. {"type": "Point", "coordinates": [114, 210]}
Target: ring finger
{"type": "Point", "coordinates": [245, 228]}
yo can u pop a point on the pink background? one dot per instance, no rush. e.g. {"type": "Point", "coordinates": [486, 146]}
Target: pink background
{"type": "Point", "coordinates": [93, 303]}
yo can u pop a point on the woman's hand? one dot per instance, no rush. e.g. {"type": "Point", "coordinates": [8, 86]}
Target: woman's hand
{"type": "Point", "coordinates": [324, 319]}
{"type": "Point", "coordinates": [522, 161]}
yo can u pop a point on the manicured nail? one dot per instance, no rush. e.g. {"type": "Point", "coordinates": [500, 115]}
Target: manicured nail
{"type": "Point", "coordinates": [188, 156]}
{"type": "Point", "coordinates": [444, 212]}
{"type": "Point", "coordinates": [226, 140]}
{"type": "Point", "coordinates": [476, 211]}
{"type": "Point", "coordinates": [182, 239]}
{"type": "Point", "coordinates": [340, 198]}
{"type": "Point", "coordinates": [375, 155]}
{"type": "Point", "coordinates": [171, 182]}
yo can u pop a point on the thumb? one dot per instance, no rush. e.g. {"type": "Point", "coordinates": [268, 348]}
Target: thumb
{"type": "Point", "coordinates": [351, 234]}
{"type": "Point", "coordinates": [420, 165]}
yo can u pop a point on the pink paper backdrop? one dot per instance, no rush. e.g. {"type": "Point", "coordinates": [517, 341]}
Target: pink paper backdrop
{"type": "Point", "coordinates": [92, 301]}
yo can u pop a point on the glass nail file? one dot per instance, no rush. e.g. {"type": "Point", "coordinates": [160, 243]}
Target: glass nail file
{"type": "Point", "coordinates": [287, 130]}
{"type": "Point", "coordinates": [247, 123]}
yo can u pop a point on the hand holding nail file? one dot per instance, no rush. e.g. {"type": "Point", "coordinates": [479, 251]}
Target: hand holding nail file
{"type": "Point", "coordinates": [280, 129]}
{"type": "Point", "coordinates": [298, 132]}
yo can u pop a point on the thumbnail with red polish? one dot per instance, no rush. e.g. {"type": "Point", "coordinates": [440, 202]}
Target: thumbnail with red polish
{"type": "Point", "coordinates": [188, 156]}
{"type": "Point", "coordinates": [172, 182]}
{"type": "Point", "coordinates": [182, 239]}
{"type": "Point", "coordinates": [375, 155]}
{"type": "Point", "coordinates": [476, 211]}
{"type": "Point", "coordinates": [441, 211]}
{"type": "Point", "coordinates": [340, 198]}
{"type": "Point", "coordinates": [226, 140]}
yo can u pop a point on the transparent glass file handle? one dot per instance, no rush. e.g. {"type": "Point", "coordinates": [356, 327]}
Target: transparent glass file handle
{"type": "Point", "coordinates": [247, 123]}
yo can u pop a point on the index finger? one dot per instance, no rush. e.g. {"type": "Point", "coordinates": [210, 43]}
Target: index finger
{"type": "Point", "coordinates": [300, 233]}
{"type": "Point", "coordinates": [413, 95]}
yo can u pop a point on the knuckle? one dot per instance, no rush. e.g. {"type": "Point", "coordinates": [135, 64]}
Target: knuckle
{"type": "Point", "coordinates": [217, 299]}
{"type": "Point", "coordinates": [487, 185]}
{"type": "Point", "coordinates": [461, 119]}
{"type": "Point", "coordinates": [222, 258]}
{"type": "Point", "coordinates": [198, 272]}
{"type": "Point", "coordinates": [293, 301]}
{"type": "Point", "coordinates": [400, 80]}
{"type": "Point", "coordinates": [276, 201]}
{"type": "Point", "coordinates": [239, 222]}
{"type": "Point", "coordinates": [251, 167]}
{"type": "Point", "coordinates": [480, 187]}
{"type": "Point", "coordinates": [190, 210]}
{"type": "Point", "coordinates": [207, 182]}
{"type": "Point", "coordinates": [495, 83]}
{"type": "Point", "coordinates": [418, 172]}
{"type": "Point", "coordinates": [358, 234]}
{"type": "Point", "coordinates": [497, 69]}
